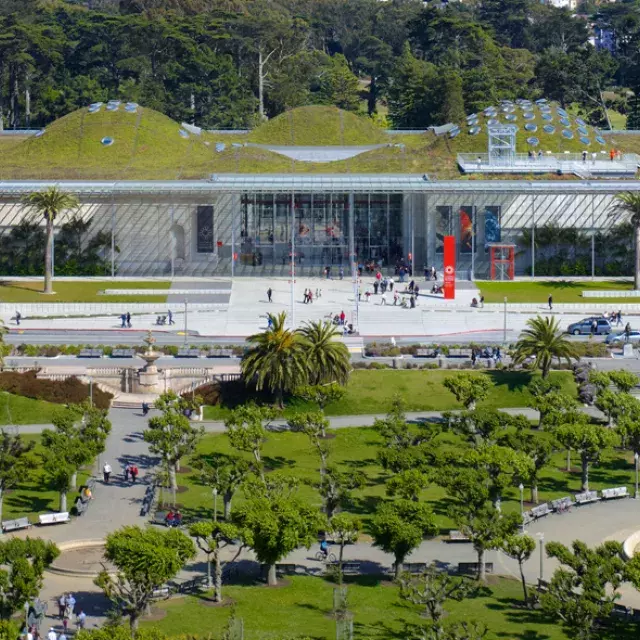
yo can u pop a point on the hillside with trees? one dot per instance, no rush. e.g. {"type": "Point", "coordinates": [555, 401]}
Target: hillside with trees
{"type": "Point", "coordinates": [233, 63]}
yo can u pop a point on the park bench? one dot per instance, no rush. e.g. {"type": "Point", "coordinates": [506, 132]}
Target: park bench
{"type": "Point", "coordinates": [471, 568]}
{"type": "Point", "coordinates": [14, 525]}
{"type": "Point", "coordinates": [457, 536]}
{"type": "Point", "coordinates": [54, 518]}
{"type": "Point", "coordinates": [122, 353]}
{"type": "Point", "coordinates": [616, 492]}
{"type": "Point", "coordinates": [543, 585]}
{"type": "Point", "coordinates": [162, 592]}
{"type": "Point", "coordinates": [459, 353]}
{"type": "Point", "coordinates": [90, 353]}
{"type": "Point", "coordinates": [562, 504]}
{"type": "Point", "coordinates": [540, 511]}
{"type": "Point", "coordinates": [414, 568]}
{"type": "Point", "coordinates": [349, 568]}
{"type": "Point", "coordinates": [286, 569]}
{"type": "Point", "coordinates": [586, 497]}
{"type": "Point", "coordinates": [194, 585]}
{"type": "Point", "coordinates": [188, 353]}
{"type": "Point", "coordinates": [160, 517]}
{"type": "Point", "coordinates": [220, 353]}
{"type": "Point", "coordinates": [527, 518]}
{"type": "Point", "coordinates": [427, 353]}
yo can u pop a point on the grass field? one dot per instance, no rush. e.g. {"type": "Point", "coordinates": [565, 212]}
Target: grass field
{"type": "Point", "coordinates": [80, 291]}
{"type": "Point", "coordinates": [33, 496]}
{"type": "Point", "coordinates": [562, 291]}
{"type": "Point", "coordinates": [371, 391]}
{"type": "Point", "coordinates": [20, 410]}
{"type": "Point", "coordinates": [303, 608]}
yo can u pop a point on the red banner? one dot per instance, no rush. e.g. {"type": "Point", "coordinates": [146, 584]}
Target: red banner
{"type": "Point", "coordinates": [449, 267]}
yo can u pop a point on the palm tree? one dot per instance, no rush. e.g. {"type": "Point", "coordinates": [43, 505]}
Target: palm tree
{"type": "Point", "coordinates": [628, 204]}
{"type": "Point", "coordinates": [49, 204]}
{"type": "Point", "coordinates": [275, 359]}
{"type": "Point", "coordinates": [543, 339]}
{"type": "Point", "coordinates": [327, 360]}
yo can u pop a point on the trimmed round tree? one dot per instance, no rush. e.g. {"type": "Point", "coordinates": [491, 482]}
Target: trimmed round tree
{"type": "Point", "coordinates": [399, 527]}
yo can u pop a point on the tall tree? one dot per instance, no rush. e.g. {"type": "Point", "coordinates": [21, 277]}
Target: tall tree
{"type": "Point", "coordinates": [247, 431]}
{"type": "Point", "coordinates": [339, 86]}
{"type": "Point", "coordinates": [589, 440]}
{"type": "Point", "coordinates": [399, 527]}
{"type": "Point", "coordinates": [626, 207]}
{"type": "Point", "coordinates": [328, 360]}
{"type": "Point", "coordinates": [274, 521]}
{"type": "Point", "coordinates": [543, 340]}
{"type": "Point", "coordinates": [583, 591]}
{"type": "Point", "coordinates": [171, 435]}
{"type": "Point", "coordinates": [520, 547]}
{"type": "Point", "coordinates": [344, 529]}
{"type": "Point", "coordinates": [16, 462]}
{"type": "Point", "coordinates": [275, 359]}
{"type": "Point", "coordinates": [468, 388]}
{"type": "Point", "coordinates": [144, 559]}
{"type": "Point", "coordinates": [212, 538]}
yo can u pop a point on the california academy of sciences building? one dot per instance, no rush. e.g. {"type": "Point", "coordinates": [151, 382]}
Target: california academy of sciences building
{"type": "Point", "coordinates": [242, 224]}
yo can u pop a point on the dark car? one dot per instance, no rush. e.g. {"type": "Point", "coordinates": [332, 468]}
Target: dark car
{"type": "Point", "coordinates": [584, 327]}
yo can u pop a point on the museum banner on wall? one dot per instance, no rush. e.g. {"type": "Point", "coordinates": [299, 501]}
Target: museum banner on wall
{"type": "Point", "coordinates": [449, 286]}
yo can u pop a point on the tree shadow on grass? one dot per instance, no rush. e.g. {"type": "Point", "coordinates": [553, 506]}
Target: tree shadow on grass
{"type": "Point", "coordinates": [273, 463]}
{"type": "Point", "coordinates": [365, 505]}
{"type": "Point", "coordinates": [512, 380]}
{"type": "Point", "coordinates": [527, 634]}
{"type": "Point", "coordinates": [381, 630]}
{"type": "Point", "coordinates": [30, 504]}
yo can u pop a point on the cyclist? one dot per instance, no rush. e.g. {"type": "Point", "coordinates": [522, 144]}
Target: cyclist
{"type": "Point", "coordinates": [324, 548]}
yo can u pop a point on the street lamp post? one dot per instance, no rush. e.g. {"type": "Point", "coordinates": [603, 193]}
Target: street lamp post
{"type": "Point", "coordinates": [185, 322]}
{"type": "Point", "coordinates": [541, 545]}
{"type": "Point", "coordinates": [636, 457]}
{"type": "Point", "coordinates": [521, 487]}
{"type": "Point", "coordinates": [215, 504]}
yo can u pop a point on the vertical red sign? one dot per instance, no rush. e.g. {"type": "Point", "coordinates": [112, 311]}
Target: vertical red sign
{"type": "Point", "coordinates": [449, 267]}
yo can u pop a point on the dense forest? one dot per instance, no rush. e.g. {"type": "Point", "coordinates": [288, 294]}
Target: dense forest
{"type": "Point", "coordinates": [230, 63]}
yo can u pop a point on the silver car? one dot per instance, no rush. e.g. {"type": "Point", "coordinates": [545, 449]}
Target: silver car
{"type": "Point", "coordinates": [621, 338]}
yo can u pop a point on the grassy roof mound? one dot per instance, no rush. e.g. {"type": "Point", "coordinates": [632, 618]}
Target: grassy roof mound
{"type": "Point", "coordinates": [144, 142]}
{"type": "Point", "coordinates": [318, 125]}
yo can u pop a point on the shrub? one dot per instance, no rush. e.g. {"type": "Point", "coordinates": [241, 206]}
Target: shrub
{"type": "Point", "coordinates": [69, 391]}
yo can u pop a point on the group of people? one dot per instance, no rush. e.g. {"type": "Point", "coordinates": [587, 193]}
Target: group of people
{"type": "Point", "coordinates": [131, 471]}
{"type": "Point", "coordinates": [490, 353]}
{"type": "Point", "coordinates": [309, 295]}
{"type": "Point", "coordinates": [430, 273]}
{"type": "Point", "coordinates": [475, 303]}
{"type": "Point", "coordinates": [66, 609]}
{"type": "Point", "coordinates": [173, 519]}
{"type": "Point", "coordinates": [613, 316]}
{"type": "Point", "coordinates": [125, 319]}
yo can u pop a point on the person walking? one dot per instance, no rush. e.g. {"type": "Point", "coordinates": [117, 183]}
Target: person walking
{"type": "Point", "coordinates": [550, 301]}
{"type": "Point", "coordinates": [81, 620]}
{"type": "Point", "coordinates": [342, 317]}
{"type": "Point", "coordinates": [52, 635]}
{"type": "Point", "coordinates": [341, 272]}
{"type": "Point", "coordinates": [170, 316]}
{"type": "Point", "coordinates": [305, 298]}
{"type": "Point", "coordinates": [619, 318]}
{"type": "Point", "coordinates": [134, 473]}
{"type": "Point", "coordinates": [376, 284]}
{"type": "Point", "coordinates": [481, 301]}
{"type": "Point", "coordinates": [395, 298]}
{"type": "Point", "coordinates": [584, 156]}
{"type": "Point", "coordinates": [391, 283]}
{"type": "Point", "coordinates": [123, 319]}
{"type": "Point", "coordinates": [128, 320]}
{"type": "Point", "coordinates": [594, 327]}
{"type": "Point", "coordinates": [127, 471]}
{"type": "Point", "coordinates": [106, 473]}
{"type": "Point", "coordinates": [269, 294]}
{"type": "Point", "coordinates": [310, 296]}
{"type": "Point", "coordinates": [18, 318]}
{"type": "Point", "coordinates": [62, 605]}
{"type": "Point", "coordinates": [383, 299]}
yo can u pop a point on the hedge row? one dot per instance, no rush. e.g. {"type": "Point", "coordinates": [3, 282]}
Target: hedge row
{"type": "Point", "coordinates": [69, 391]}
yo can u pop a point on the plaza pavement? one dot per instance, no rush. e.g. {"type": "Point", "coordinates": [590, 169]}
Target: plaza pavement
{"type": "Point", "coordinates": [118, 504]}
{"type": "Point", "coordinates": [245, 312]}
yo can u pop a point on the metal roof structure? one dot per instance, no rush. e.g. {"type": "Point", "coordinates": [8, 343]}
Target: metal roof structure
{"type": "Point", "coordinates": [317, 183]}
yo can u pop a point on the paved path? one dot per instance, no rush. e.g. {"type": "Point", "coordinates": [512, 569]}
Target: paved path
{"type": "Point", "coordinates": [114, 505]}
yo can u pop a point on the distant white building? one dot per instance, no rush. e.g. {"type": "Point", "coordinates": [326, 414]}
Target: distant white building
{"type": "Point", "coordinates": [562, 4]}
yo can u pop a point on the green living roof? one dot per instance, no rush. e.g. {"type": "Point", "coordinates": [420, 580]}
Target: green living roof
{"type": "Point", "coordinates": [147, 145]}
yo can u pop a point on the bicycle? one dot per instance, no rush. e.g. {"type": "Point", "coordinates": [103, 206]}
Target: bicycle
{"type": "Point", "coordinates": [330, 557]}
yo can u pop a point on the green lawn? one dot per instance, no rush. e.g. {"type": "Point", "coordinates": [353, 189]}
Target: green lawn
{"type": "Point", "coordinates": [371, 391]}
{"type": "Point", "coordinates": [78, 291]}
{"type": "Point", "coordinates": [303, 608]}
{"type": "Point", "coordinates": [562, 291]}
{"type": "Point", "coordinates": [21, 410]}
{"type": "Point", "coordinates": [33, 496]}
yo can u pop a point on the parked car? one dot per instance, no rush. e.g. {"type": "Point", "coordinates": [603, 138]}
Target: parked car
{"type": "Point", "coordinates": [620, 338]}
{"type": "Point", "coordinates": [584, 327]}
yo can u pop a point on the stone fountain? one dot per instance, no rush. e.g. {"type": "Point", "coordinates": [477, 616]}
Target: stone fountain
{"type": "Point", "coordinates": [148, 376]}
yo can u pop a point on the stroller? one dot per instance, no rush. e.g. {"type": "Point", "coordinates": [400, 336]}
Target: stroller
{"type": "Point", "coordinates": [160, 320]}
